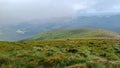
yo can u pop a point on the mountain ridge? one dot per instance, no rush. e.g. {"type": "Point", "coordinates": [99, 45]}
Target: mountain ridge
{"type": "Point", "coordinates": [16, 32]}
{"type": "Point", "coordinates": [74, 33]}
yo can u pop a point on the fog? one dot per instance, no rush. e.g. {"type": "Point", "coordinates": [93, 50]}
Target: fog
{"type": "Point", "coordinates": [17, 11]}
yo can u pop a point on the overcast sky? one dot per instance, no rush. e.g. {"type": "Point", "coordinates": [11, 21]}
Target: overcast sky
{"type": "Point", "coordinates": [15, 11]}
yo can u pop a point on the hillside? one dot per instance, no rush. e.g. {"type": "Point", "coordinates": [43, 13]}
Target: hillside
{"type": "Point", "coordinates": [16, 32]}
{"type": "Point", "coordinates": [77, 53]}
{"type": "Point", "coordinates": [74, 33]}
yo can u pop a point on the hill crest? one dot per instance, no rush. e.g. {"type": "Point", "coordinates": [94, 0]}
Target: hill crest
{"type": "Point", "coordinates": [74, 33]}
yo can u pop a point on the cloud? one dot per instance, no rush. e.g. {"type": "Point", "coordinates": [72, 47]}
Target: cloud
{"type": "Point", "coordinates": [77, 7]}
{"type": "Point", "coordinates": [20, 31]}
{"type": "Point", "coordinates": [15, 11]}
{"type": "Point", "coordinates": [1, 33]}
{"type": "Point", "coordinates": [116, 7]}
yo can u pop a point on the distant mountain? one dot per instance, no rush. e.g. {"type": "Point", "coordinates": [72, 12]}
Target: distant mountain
{"type": "Point", "coordinates": [74, 33]}
{"type": "Point", "coordinates": [15, 32]}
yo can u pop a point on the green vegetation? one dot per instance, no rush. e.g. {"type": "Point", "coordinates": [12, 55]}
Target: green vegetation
{"type": "Point", "coordinates": [66, 53]}
{"type": "Point", "coordinates": [74, 33]}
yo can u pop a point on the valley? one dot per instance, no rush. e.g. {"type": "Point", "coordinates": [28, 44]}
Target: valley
{"type": "Point", "coordinates": [26, 29]}
{"type": "Point", "coordinates": [59, 33]}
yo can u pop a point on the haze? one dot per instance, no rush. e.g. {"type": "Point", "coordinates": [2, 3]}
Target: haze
{"type": "Point", "coordinates": [17, 11]}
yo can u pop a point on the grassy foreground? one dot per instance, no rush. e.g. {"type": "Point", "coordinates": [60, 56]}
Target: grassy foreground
{"type": "Point", "coordinates": [67, 53]}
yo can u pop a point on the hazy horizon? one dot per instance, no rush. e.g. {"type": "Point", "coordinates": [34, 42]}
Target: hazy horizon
{"type": "Point", "coordinates": [16, 11]}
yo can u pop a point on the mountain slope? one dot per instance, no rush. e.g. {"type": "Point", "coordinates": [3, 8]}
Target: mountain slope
{"type": "Point", "coordinates": [91, 53]}
{"type": "Point", "coordinates": [74, 33]}
{"type": "Point", "coordinates": [13, 32]}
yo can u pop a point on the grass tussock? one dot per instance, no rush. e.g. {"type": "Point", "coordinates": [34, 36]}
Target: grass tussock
{"type": "Point", "coordinates": [66, 53]}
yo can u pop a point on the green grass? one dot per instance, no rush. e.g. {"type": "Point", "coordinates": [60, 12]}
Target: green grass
{"type": "Point", "coordinates": [64, 53]}
{"type": "Point", "coordinates": [74, 33]}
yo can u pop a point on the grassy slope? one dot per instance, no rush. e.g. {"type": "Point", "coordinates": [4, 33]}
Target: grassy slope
{"type": "Point", "coordinates": [74, 33]}
{"type": "Point", "coordinates": [70, 53]}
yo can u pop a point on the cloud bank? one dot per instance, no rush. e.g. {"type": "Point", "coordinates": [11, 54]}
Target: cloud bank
{"type": "Point", "coordinates": [15, 11]}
